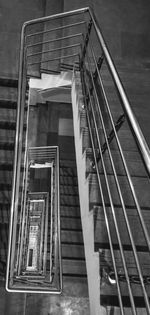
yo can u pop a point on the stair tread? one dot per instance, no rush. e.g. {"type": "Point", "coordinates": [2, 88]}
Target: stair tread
{"type": "Point", "coordinates": [70, 236]}
{"type": "Point", "coordinates": [9, 82]}
{"type": "Point", "coordinates": [73, 251]}
{"type": "Point", "coordinates": [71, 223]}
{"type": "Point", "coordinates": [135, 165]}
{"type": "Point", "coordinates": [141, 185]}
{"type": "Point", "coordinates": [73, 266]}
{"type": "Point", "coordinates": [137, 231]}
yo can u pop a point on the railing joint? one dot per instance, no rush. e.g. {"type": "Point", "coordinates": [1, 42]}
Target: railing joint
{"type": "Point", "coordinates": [99, 64]}
{"type": "Point", "coordinates": [86, 42]}
{"type": "Point", "coordinates": [110, 137]}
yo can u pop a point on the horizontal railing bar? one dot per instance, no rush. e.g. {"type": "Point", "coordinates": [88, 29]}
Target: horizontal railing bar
{"type": "Point", "coordinates": [52, 50]}
{"type": "Point", "coordinates": [55, 16]}
{"type": "Point", "coordinates": [52, 59]}
{"type": "Point", "coordinates": [43, 148]}
{"type": "Point", "coordinates": [55, 29]}
{"type": "Point", "coordinates": [144, 149]}
{"type": "Point", "coordinates": [103, 203]}
{"type": "Point", "coordinates": [109, 189]}
{"type": "Point", "coordinates": [54, 40]}
{"type": "Point", "coordinates": [44, 154]}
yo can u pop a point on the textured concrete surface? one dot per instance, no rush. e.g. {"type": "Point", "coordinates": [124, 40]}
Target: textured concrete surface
{"type": "Point", "coordinates": [125, 25]}
{"type": "Point", "coordinates": [38, 304]}
{"type": "Point", "coordinates": [12, 15]}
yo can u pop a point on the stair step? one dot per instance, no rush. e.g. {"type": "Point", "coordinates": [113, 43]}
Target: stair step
{"type": "Point", "coordinates": [125, 137]}
{"type": "Point", "coordinates": [141, 185]}
{"type": "Point", "coordinates": [7, 135]}
{"type": "Point", "coordinates": [70, 211]}
{"type": "Point", "coordinates": [10, 105]}
{"type": "Point", "coordinates": [8, 94]}
{"type": "Point", "coordinates": [6, 166]}
{"type": "Point", "coordinates": [73, 251]}
{"type": "Point", "coordinates": [67, 163]}
{"type": "Point", "coordinates": [73, 267]}
{"type": "Point", "coordinates": [68, 171]}
{"type": "Point", "coordinates": [71, 237]}
{"type": "Point", "coordinates": [71, 223]}
{"type": "Point", "coordinates": [9, 82]}
{"type": "Point", "coordinates": [9, 146]}
{"type": "Point", "coordinates": [6, 157]}
{"type": "Point", "coordinates": [110, 290]}
{"type": "Point", "coordinates": [5, 196]}
{"type": "Point", "coordinates": [78, 289]}
{"type": "Point", "coordinates": [69, 200]}
{"type": "Point", "coordinates": [5, 187]}
{"type": "Point", "coordinates": [83, 118]}
{"type": "Point", "coordinates": [101, 230]}
{"type": "Point", "coordinates": [133, 161]}
{"type": "Point", "coordinates": [68, 180]}
{"type": "Point", "coordinates": [69, 190]}
{"type": "Point", "coordinates": [10, 125]}
{"type": "Point", "coordinates": [127, 310]}
{"type": "Point", "coordinates": [112, 300]}
{"type": "Point", "coordinates": [86, 142]}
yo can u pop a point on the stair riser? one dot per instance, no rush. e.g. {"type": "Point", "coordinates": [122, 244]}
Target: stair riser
{"type": "Point", "coordinates": [138, 235]}
{"type": "Point", "coordinates": [8, 93]}
{"type": "Point", "coordinates": [141, 187]}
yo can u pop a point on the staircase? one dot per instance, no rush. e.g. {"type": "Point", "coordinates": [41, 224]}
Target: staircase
{"type": "Point", "coordinates": [73, 258]}
{"type": "Point", "coordinates": [109, 220]}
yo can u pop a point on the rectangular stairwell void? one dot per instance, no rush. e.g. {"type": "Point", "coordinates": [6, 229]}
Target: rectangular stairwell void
{"type": "Point", "coordinates": [34, 254]}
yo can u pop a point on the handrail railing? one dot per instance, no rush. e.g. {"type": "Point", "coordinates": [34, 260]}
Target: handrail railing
{"type": "Point", "coordinates": [45, 43]}
{"type": "Point", "coordinates": [144, 149]}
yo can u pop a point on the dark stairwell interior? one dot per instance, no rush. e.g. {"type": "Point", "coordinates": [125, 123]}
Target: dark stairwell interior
{"type": "Point", "coordinates": [51, 118]}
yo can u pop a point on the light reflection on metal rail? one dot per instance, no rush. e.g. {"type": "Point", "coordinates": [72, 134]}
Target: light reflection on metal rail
{"type": "Point", "coordinates": [52, 59]}
{"type": "Point", "coordinates": [53, 50]}
{"type": "Point", "coordinates": [55, 29]}
{"type": "Point", "coordinates": [54, 40]}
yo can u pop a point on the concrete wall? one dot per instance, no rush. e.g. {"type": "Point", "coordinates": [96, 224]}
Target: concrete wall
{"type": "Point", "coordinates": [125, 25]}
{"type": "Point", "coordinates": [12, 15]}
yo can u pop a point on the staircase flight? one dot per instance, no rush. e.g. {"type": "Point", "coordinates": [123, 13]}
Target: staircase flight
{"type": "Point", "coordinates": [112, 156]}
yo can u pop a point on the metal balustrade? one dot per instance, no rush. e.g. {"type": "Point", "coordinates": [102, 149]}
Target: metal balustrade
{"type": "Point", "coordinates": [73, 40]}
